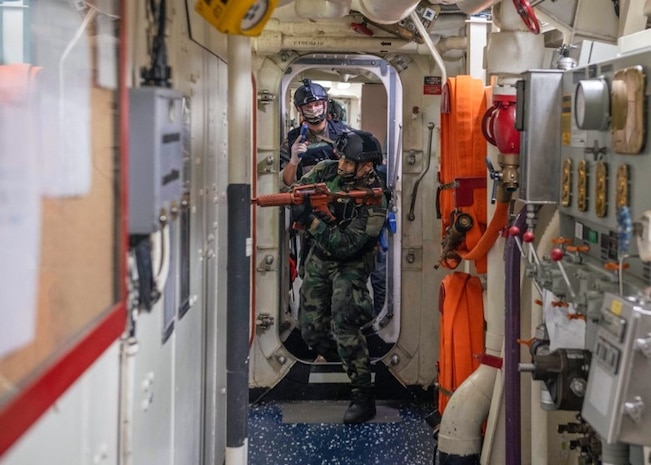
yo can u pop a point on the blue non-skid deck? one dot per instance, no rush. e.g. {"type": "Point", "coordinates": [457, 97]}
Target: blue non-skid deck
{"type": "Point", "coordinates": [398, 436]}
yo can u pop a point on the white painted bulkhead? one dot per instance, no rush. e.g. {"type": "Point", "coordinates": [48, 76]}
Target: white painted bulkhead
{"type": "Point", "coordinates": [166, 403]}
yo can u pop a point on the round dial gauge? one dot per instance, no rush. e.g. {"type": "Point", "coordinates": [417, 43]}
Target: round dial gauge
{"type": "Point", "coordinates": [592, 105]}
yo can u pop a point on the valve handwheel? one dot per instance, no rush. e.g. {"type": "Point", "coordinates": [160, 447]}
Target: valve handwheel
{"type": "Point", "coordinates": [527, 14]}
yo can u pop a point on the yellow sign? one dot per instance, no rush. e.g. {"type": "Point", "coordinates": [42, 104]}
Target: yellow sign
{"type": "Point", "coordinates": [242, 17]}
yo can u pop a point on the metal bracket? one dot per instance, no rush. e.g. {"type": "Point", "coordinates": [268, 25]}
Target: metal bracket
{"type": "Point", "coordinates": [267, 165]}
{"type": "Point", "coordinates": [265, 97]}
{"type": "Point", "coordinates": [265, 321]}
{"type": "Point", "coordinates": [412, 161]}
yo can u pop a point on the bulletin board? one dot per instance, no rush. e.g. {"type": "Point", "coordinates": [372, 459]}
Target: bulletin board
{"type": "Point", "coordinates": [62, 227]}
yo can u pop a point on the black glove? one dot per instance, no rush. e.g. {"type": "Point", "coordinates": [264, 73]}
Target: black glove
{"type": "Point", "coordinates": [324, 217]}
{"type": "Point", "coordinates": [302, 213]}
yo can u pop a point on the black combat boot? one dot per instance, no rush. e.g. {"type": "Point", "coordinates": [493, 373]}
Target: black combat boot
{"type": "Point", "coordinates": [361, 408]}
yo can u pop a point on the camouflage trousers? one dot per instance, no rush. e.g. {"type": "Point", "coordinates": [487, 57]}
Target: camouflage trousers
{"type": "Point", "coordinates": [335, 304]}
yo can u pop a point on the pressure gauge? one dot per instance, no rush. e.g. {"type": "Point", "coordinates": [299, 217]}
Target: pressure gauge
{"type": "Point", "coordinates": [244, 17]}
{"type": "Point", "coordinates": [592, 104]}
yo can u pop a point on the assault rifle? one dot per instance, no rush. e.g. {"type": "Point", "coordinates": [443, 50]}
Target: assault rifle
{"type": "Point", "coordinates": [319, 196]}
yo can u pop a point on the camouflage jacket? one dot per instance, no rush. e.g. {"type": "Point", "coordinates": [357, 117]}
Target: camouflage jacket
{"type": "Point", "coordinates": [357, 227]}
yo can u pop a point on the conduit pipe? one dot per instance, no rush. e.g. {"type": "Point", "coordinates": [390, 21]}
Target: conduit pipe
{"type": "Point", "coordinates": [238, 195]}
{"type": "Point", "coordinates": [430, 46]}
{"type": "Point", "coordinates": [512, 410]}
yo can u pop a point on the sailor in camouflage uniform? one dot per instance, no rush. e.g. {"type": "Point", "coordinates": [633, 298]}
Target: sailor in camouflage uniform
{"type": "Point", "coordinates": [304, 148]}
{"type": "Point", "coordinates": [299, 155]}
{"type": "Point", "coordinates": [334, 293]}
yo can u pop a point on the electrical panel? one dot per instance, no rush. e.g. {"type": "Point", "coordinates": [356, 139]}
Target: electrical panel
{"type": "Point", "coordinates": [618, 397]}
{"type": "Point", "coordinates": [538, 119]}
{"type": "Point", "coordinates": [155, 157]}
{"type": "Point", "coordinates": [604, 150]}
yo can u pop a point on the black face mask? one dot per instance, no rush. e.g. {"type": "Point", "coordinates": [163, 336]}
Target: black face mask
{"type": "Point", "coordinates": [347, 178]}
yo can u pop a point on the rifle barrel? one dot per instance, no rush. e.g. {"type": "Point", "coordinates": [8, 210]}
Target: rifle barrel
{"type": "Point", "coordinates": [275, 200]}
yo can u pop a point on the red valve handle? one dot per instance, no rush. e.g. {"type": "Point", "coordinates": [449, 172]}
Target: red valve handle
{"type": "Point", "coordinates": [556, 255]}
{"type": "Point", "coordinates": [527, 14]}
{"type": "Point", "coordinates": [528, 237]}
{"type": "Point", "coordinates": [514, 231]}
{"type": "Point", "coordinates": [361, 28]}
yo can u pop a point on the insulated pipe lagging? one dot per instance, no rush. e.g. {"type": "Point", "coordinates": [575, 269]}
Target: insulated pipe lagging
{"type": "Point", "coordinates": [460, 436]}
{"type": "Point", "coordinates": [238, 194]}
{"type": "Point", "coordinates": [475, 6]}
{"type": "Point", "coordinates": [270, 42]}
{"type": "Point", "coordinates": [385, 11]}
{"type": "Point", "coordinates": [237, 322]}
{"type": "Point", "coordinates": [512, 410]}
{"type": "Point", "coordinates": [320, 9]}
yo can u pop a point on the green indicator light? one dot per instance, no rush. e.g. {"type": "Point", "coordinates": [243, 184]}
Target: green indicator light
{"type": "Point", "coordinates": [592, 237]}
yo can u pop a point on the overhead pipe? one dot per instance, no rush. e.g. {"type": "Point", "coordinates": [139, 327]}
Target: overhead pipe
{"type": "Point", "coordinates": [377, 11]}
{"type": "Point", "coordinates": [446, 26]}
{"type": "Point", "coordinates": [475, 6]}
{"type": "Point", "coordinates": [385, 11]}
{"type": "Point", "coordinates": [322, 9]}
{"type": "Point", "coordinates": [273, 42]}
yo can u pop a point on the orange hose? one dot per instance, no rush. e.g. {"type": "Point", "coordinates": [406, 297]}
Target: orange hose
{"type": "Point", "coordinates": [497, 223]}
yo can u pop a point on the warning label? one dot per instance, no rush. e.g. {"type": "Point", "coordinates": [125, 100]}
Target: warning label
{"type": "Point", "coordinates": [432, 85]}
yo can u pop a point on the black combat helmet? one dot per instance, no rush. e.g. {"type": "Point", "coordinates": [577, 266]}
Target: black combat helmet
{"type": "Point", "coordinates": [309, 92]}
{"type": "Point", "coordinates": [359, 146]}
